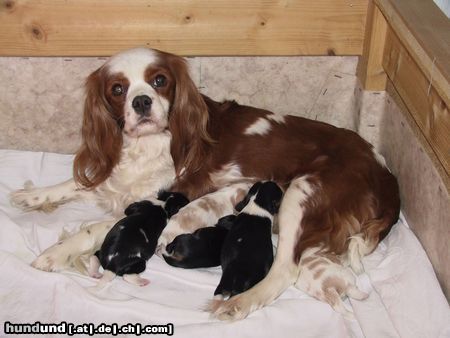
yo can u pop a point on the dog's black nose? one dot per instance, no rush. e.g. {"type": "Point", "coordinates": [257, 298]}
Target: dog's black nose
{"type": "Point", "coordinates": [142, 104]}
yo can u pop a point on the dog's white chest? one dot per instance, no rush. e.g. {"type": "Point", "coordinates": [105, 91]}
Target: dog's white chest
{"type": "Point", "coordinates": [145, 167]}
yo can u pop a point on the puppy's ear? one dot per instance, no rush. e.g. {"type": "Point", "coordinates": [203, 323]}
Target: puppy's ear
{"type": "Point", "coordinates": [269, 197]}
{"type": "Point", "coordinates": [252, 192]}
{"type": "Point", "coordinates": [163, 195]}
{"type": "Point", "coordinates": [226, 222]}
{"type": "Point", "coordinates": [171, 247]}
{"type": "Point", "coordinates": [274, 206]}
{"type": "Point", "coordinates": [174, 203]}
{"type": "Point", "coordinates": [277, 197]}
{"type": "Point", "coordinates": [241, 205]}
{"type": "Point", "coordinates": [133, 208]}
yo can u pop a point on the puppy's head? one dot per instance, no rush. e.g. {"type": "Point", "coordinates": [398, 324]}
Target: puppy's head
{"type": "Point", "coordinates": [226, 222]}
{"type": "Point", "coordinates": [200, 249]}
{"type": "Point", "coordinates": [174, 201]}
{"type": "Point", "coordinates": [266, 195]}
{"type": "Point", "coordinates": [139, 208]}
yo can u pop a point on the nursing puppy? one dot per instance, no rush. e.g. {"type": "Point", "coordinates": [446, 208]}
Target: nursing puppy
{"type": "Point", "coordinates": [202, 248]}
{"type": "Point", "coordinates": [132, 240]}
{"type": "Point", "coordinates": [247, 253]}
{"type": "Point", "coordinates": [324, 277]}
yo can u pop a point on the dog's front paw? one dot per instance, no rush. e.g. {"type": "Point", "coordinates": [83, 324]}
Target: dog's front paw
{"type": "Point", "coordinates": [31, 198]}
{"type": "Point", "coordinates": [53, 259]}
{"type": "Point", "coordinates": [235, 308]}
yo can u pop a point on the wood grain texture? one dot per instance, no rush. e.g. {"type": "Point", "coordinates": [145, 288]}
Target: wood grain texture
{"type": "Point", "coordinates": [424, 30]}
{"type": "Point", "coordinates": [425, 197]}
{"type": "Point", "coordinates": [429, 110]}
{"type": "Point", "coordinates": [232, 27]}
{"type": "Point", "coordinates": [370, 69]}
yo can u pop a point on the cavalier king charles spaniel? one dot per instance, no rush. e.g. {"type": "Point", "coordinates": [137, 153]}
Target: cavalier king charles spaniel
{"type": "Point", "coordinates": [146, 127]}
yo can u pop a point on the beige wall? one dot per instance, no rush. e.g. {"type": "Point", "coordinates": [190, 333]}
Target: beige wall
{"type": "Point", "coordinates": [42, 99]}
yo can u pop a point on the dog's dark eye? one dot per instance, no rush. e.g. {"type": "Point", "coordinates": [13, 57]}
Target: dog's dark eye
{"type": "Point", "coordinates": [117, 89]}
{"type": "Point", "coordinates": [159, 81]}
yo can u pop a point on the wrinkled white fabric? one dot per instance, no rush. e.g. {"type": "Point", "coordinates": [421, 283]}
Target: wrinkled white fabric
{"type": "Point", "coordinates": [405, 300]}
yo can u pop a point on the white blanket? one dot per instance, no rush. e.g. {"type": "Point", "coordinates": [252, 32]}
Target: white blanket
{"type": "Point", "coordinates": [405, 299]}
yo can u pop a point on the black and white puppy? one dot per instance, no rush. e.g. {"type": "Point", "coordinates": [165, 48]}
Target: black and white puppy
{"type": "Point", "coordinates": [247, 253]}
{"type": "Point", "coordinates": [132, 240]}
{"type": "Point", "coordinates": [202, 248]}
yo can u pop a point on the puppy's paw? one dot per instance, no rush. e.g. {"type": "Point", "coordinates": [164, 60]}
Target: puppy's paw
{"type": "Point", "coordinates": [136, 280]}
{"type": "Point", "coordinates": [96, 275]}
{"type": "Point", "coordinates": [94, 264]}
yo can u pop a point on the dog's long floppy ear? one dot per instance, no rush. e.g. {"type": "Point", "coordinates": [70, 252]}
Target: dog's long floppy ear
{"type": "Point", "coordinates": [252, 192]}
{"type": "Point", "coordinates": [188, 120]}
{"type": "Point", "coordinates": [101, 137]}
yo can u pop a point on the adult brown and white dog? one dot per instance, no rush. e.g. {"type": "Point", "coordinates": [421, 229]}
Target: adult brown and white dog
{"type": "Point", "coordinates": [146, 127]}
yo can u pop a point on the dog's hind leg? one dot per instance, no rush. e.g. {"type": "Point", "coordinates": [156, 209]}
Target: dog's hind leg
{"type": "Point", "coordinates": [332, 297]}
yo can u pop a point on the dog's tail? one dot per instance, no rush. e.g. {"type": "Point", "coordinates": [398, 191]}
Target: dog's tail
{"type": "Point", "coordinates": [365, 242]}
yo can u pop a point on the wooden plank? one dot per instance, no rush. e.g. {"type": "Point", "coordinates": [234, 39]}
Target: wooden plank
{"type": "Point", "coordinates": [370, 70]}
{"type": "Point", "coordinates": [424, 30]}
{"type": "Point", "coordinates": [429, 110]}
{"type": "Point", "coordinates": [200, 27]}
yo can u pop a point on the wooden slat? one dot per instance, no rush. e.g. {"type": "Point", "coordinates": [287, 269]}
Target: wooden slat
{"type": "Point", "coordinates": [199, 27]}
{"type": "Point", "coordinates": [424, 30]}
{"type": "Point", "coordinates": [429, 110]}
{"type": "Point", "coordinates": [370, 69]}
